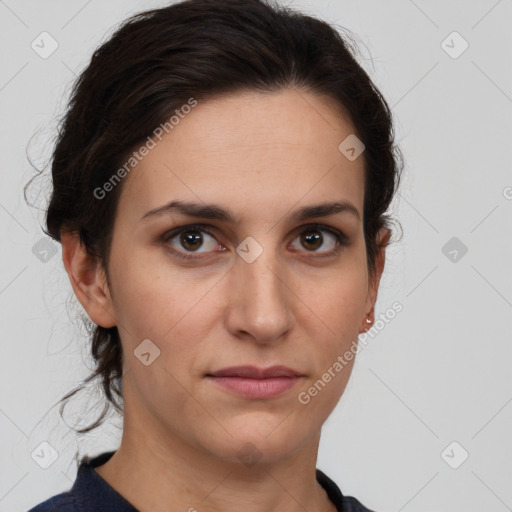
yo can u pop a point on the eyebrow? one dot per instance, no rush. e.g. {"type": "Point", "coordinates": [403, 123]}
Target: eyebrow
{"type": "Point", "coordinates": [215, 212]}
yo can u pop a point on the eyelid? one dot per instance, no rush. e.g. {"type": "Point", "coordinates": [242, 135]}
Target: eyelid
{"type": "Point", "coordinates": [324, 227]}
{"type": "Point", "coordinates": [174, 232]}
{"type": "Point", "coordinates": [341, 238]}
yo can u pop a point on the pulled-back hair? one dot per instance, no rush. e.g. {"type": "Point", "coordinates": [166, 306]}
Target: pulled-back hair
{"type": "Point", "coordinates": [152, 65]}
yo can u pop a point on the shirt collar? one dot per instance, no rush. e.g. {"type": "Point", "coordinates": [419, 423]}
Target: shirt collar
{"type": "Point", "coordinates": [94, 491]}
{"type": "Point", "coordinates": [98, 494]}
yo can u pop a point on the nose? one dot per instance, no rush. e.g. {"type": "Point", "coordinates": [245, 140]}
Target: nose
{"type": "Point", "coordinates": [260, 299]}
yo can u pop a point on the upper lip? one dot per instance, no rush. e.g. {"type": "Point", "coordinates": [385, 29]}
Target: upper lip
{"type": "Point", "coordinates": [254, 372]}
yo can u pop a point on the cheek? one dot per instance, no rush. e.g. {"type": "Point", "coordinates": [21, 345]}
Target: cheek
{"type": "Point", "coordinates": [150, 294]}
{"type": "Point", "coordinates": [172, 308]}
{"type": "Point", "coordinates": [340, 294]}
{"type": "Point", "coordinates": [166, 310]}
{"type": "Point", "coordinates": [336, 309]}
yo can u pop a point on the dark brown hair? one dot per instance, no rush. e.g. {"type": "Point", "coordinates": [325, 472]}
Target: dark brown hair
{"type": "Point", "coordinates": [153, 64]}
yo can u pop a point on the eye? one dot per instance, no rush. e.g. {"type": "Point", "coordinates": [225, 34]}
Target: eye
{"type": "Point", "coordinates": [312, 238]}
{"type": "Point", "coordinates": [190, 239]}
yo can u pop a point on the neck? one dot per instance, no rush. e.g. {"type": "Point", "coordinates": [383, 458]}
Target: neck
{"type": "Point", "coordinates": [153, 471]}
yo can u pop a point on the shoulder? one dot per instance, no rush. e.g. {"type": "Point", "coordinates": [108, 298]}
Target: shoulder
{"type": "Point", "coordinates": [63, 502]}
{"type": "Point", "coordinates": [351, 504]}
{"type": "Point", "coordinates": [88, 493]}
{"type": "Point", "coordinates": [342, 502]}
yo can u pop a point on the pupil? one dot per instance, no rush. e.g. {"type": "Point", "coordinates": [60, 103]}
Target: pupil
{"type": "Point", "coordinates": [311, 238]}
{"type": "Point", "coordinates": [191, 239]}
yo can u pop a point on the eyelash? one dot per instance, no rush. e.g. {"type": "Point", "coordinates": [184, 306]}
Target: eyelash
{"type": "Point", "coordinates": [341, 238]}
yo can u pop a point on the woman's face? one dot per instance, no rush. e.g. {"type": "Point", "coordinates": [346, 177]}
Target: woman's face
{"type": "Point", "coordinates": [266, 288]}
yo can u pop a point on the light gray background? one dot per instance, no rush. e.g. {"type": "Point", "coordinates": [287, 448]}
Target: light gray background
{"type": "Point", "coordinates": [438, 373]}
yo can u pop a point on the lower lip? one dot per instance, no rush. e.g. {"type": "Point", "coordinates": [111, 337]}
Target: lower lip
{"type": "Point", "coordinates": [256, 388]}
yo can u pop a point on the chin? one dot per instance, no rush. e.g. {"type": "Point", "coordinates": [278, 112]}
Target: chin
{"type": "Point", "coordinates": [263, 442]}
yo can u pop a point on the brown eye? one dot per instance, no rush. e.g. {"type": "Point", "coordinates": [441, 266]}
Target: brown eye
{"type": "Point", "coordinates": [190, 240]}
{"type": "Point", "coordinates": [316, 237]}
{"type": "Point", "coordinates": [187, 240]}
{"type": "Point", "coordinates": [311, 240]}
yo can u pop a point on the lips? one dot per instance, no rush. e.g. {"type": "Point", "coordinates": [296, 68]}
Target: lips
{"type": "Point", "coordinates": [251, 382]}
{"type": "Point", "coordinates": [253, 372]}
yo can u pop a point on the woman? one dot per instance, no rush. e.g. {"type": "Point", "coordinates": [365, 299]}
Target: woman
{"type": "Point", "coordinates": [220, 183]}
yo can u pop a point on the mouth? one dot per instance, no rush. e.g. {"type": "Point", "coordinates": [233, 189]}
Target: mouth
{"type": "Point", "coordinates": [254, 372]}
{"type": "Point", "coordinates": [256, 383]}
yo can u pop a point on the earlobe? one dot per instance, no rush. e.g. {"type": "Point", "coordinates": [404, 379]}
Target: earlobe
{"type": "Point", "coordinates": [367, 321]}
{"type": "Point", "coordinates": [88, 280]}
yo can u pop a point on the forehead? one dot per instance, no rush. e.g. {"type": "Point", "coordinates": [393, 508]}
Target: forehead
{"type": "Point", "coordinates": [267, 151]}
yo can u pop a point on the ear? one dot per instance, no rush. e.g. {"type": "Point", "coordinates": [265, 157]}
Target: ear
{"type": "Point", "coordinates": [88, 280]}
{"type": "Point", "coordinates": [373, 284]}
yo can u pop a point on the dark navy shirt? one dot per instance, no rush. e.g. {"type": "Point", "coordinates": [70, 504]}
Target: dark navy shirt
{"type": "Point", "coordinates": [91, 493]}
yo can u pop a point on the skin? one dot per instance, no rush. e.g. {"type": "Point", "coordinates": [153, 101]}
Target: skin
{"type": "Point", "coordinates": [262, 156]}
